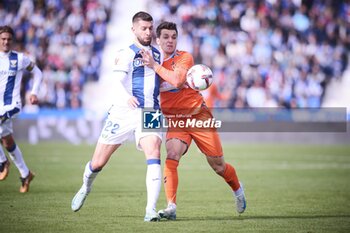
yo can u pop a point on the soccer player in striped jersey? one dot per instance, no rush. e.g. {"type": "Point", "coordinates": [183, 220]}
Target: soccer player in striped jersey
{"type": "Point", "coordinates": [12, 65]}
{"type": "Point", "coordinates": [177, 99]}
{"type": "Point", "coordinates": [138, 89]}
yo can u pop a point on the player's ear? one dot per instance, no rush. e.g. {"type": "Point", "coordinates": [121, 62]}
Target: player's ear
{"type": "Point", "coordinates": [158, 41]}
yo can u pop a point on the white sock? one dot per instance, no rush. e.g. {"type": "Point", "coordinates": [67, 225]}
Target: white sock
{"type": "Point", "coordinates": [89, 176]}
{"type": "Point", "coordinates": [153, 182]}
{"type": "Point", "coordinates": [238, 192]}
{"type": "Point", "coordinates": [17, 158]}
{"type": "Point", "coordinates": [2, 155]}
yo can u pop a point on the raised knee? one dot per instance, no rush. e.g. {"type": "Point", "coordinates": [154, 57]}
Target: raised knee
{"type": "Point", "coordinates": [219, 169]}
{"type": "Point", "coordinates": [9, 143]}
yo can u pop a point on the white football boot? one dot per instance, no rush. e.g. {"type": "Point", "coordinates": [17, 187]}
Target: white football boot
{"type": "Point", "coordinates": [151, 216]}
{"type": "Point", "coordinates": [169, 212]}
{"type": "Point", "coordinates": [79, 198]}
{"type": "Point", "coordinates": [241, 203]}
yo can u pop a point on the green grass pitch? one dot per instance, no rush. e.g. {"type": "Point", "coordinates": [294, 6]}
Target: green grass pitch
{"type": "Point", "coordinates": [289, 188]}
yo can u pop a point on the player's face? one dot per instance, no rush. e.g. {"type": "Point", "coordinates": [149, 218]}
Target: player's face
{"type": "Point", "coordinates": [167, 41]}
{"type": "Point", "coordinates": [143, 31]}
{"type": "Point", "coordinates": [5, 42]}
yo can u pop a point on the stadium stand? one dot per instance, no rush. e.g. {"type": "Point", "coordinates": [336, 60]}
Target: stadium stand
{"type": "Point", "coordinates": [266, 53]}
{"type": "Point", "coordinates": [263, 53]}
{"type": "Point", "coordinates": [65, 39]}
{"type": "Point", "coordinates": [290, 53]}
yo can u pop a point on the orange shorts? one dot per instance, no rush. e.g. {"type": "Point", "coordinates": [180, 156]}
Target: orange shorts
{"type": "Point", "coordinates": [207, 140]}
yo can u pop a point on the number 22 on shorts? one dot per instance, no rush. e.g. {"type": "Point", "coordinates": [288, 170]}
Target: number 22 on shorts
{"type": "Point", "coordinates": [111, 127]}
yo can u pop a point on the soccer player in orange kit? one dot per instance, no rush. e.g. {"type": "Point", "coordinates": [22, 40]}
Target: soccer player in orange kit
{"type": "Point", "coordinates": [177, 99]}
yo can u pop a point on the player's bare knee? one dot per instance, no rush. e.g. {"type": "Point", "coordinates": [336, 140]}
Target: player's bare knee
{"type": "Point", "coordinates": [217, 163]}
{"type": "Point", "coordinates": [219, 169]}
{"type": "Point", "coordinates": [175, 149]}
{"type": "Point", "coordinates": [173, 154]}
{"type": "Point", "coordinates": [152, 151]}
{"type": "Point", "coordinates": [8, 142]}
{"type": "Point", "coordinates": [151, 146]}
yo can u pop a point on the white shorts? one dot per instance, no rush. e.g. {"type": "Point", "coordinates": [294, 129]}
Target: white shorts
{"type": "Point", "coordinates": [122, 124]}
{"type": "Point", "coordinates": [6, 128]}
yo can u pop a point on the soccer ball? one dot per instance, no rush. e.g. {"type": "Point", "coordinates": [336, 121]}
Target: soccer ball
{"type": "Point", "coordinates": [199, 77]}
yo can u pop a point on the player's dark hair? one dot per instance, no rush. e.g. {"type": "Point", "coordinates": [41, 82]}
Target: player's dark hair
{"type": "Point", "coordinates": [141, 15]}
{"type": "Point", "coordinates": [7, 29]}
{"type": "Point", "coordinates": [166, 25]}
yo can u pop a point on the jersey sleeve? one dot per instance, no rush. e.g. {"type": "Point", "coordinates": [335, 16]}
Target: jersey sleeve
{"type": "Point", "coordinates": [25, 62]}
{"type": "Point", "coordinates": [122, 61]}
{"type": "Point", "coordinates": [185, 61]}
{"type": "Point", "coordinates": [182, 65]}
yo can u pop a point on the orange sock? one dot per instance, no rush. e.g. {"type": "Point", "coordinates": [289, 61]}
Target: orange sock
{"type": "Point", "coordinates": [171, 179]}
{"type": "Point", "coordinates": [231, 178]}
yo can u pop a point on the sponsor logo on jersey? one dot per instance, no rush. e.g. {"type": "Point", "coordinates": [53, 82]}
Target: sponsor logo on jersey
{"type": "Point", "coordinates": [138, 62]}
{"type": "Point", "coordinates": [7, 72]}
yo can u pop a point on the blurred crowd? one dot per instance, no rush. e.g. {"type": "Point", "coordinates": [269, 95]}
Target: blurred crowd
{"type": "Point", "coordinates": [264, 53]}
{"type": "Point", "coordinates": [65, 38]}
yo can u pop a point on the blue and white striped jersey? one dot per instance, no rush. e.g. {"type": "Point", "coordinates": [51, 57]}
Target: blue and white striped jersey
{"type": "Point", "coordinates": [141, 81]}
{"type": "Point", "coordinates": [12, 65]}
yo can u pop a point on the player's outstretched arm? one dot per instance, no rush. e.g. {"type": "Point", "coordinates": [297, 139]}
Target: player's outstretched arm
{"type": "Point", "coordinates": [176, 77]}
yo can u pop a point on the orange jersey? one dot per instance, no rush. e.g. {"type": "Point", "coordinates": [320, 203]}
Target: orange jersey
{"type": "Point", "coordinates": [183, 100]}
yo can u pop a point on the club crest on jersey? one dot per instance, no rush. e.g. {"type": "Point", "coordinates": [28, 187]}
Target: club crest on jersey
{"type": "Point", "coordinates": [13, 63]}
{"type": "Point", "coordinates": [156, 56]}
